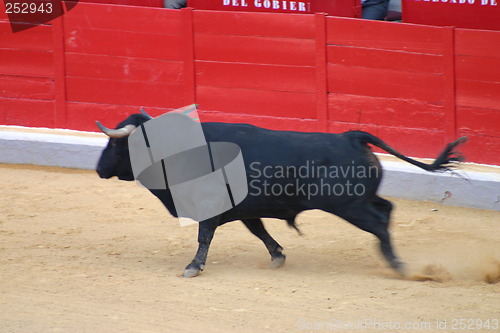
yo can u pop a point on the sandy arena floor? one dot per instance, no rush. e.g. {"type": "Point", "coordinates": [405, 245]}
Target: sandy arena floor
{"type": "Point", "coordinates": [82, 254]}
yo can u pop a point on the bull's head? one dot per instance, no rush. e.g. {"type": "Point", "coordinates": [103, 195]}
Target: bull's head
{"type": "Point", "coordinates": [115, 158]}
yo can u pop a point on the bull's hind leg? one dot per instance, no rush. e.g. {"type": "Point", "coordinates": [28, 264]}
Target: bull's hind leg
{"type": "Point", "coordinates": [384, 207]}
{"type": "Point", "coordinates": [373, 217]}
{"type": "Point", "coordinates": [257, 228]}
{"type": "Point", "coordinates": [206, 231]}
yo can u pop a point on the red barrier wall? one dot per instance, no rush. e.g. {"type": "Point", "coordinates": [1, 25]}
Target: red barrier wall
{"type": "Point", "coordinates": [416, 87]}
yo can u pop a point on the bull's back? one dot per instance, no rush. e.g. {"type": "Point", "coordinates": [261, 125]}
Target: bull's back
{"type": "Point", "coordinates": [286, 147]}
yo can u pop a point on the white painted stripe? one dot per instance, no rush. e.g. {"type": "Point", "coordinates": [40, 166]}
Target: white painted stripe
{"type": "Point", "coordinates": [73, 149]}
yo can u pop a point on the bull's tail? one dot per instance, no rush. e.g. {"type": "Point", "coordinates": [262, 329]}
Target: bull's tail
{"type": "Point", "coordinates": [444, 162]}
{"type": "Point", "coordinates": [291, 224]}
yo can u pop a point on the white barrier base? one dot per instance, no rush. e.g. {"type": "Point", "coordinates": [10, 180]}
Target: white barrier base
{"type": "Point", "coordinates": [81, 150]}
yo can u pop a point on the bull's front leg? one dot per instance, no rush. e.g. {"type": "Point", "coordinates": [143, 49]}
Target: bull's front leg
{"type": "Point", "coordinates": [206, 230]}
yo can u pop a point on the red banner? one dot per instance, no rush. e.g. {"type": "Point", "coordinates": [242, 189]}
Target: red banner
{"type": "Point", "coordinates": [346, 8]}
{"type": "Point", "coordinates": [472, 14]}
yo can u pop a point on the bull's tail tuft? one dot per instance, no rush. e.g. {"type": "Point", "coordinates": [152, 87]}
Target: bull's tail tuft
{"type": "Point", "coordinates": [446, 161]}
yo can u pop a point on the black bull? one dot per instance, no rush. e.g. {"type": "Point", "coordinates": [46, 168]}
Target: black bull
{"type": "Point", "coordinates": [287, 173]}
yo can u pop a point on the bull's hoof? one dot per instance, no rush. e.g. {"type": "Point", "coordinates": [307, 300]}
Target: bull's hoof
{"type": "Point", "coordinates": [191, 272]}
{"type": "Point", "coordinates": [399, 266]}
{"type": "Point", "coordinates": [278, 261]}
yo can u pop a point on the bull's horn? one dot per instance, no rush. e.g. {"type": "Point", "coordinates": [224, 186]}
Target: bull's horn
{"type": "Point", "coordinates": [144, 113]}
{"type": "Point", "coordinates": [116, 133]}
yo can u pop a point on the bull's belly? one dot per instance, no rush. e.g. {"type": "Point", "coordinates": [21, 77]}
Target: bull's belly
{"type": "Point", "coordinates": [284, 200]}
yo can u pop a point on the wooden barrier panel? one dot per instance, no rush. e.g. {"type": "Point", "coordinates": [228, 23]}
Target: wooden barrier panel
{"type": "Point", "coordinates": [27, 88]}
{"type": "Point", "coordinates": [416, 87]}
{"type": "Point", "coordinates": [124, 56]}
{"type": "Point", "coordinates": [266, 71]}
{"type": "Point", "coordinates": [478, 91]}
{"type": "Point", "coordinates": [139, 58]}
{"type": "Point", "coordinates": [388, 78]}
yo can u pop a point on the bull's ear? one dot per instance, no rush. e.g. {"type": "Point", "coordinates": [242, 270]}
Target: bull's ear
{"type": "Point", "coordinates": [144, 113]}
{"type": "Point", "coordinates": [116, 133]}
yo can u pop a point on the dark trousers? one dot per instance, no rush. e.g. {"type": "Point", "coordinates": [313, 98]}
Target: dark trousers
{"type": "Point", "coordinates": [375, 9]}
{"type": "Point", "coordinates": [174, 4]}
